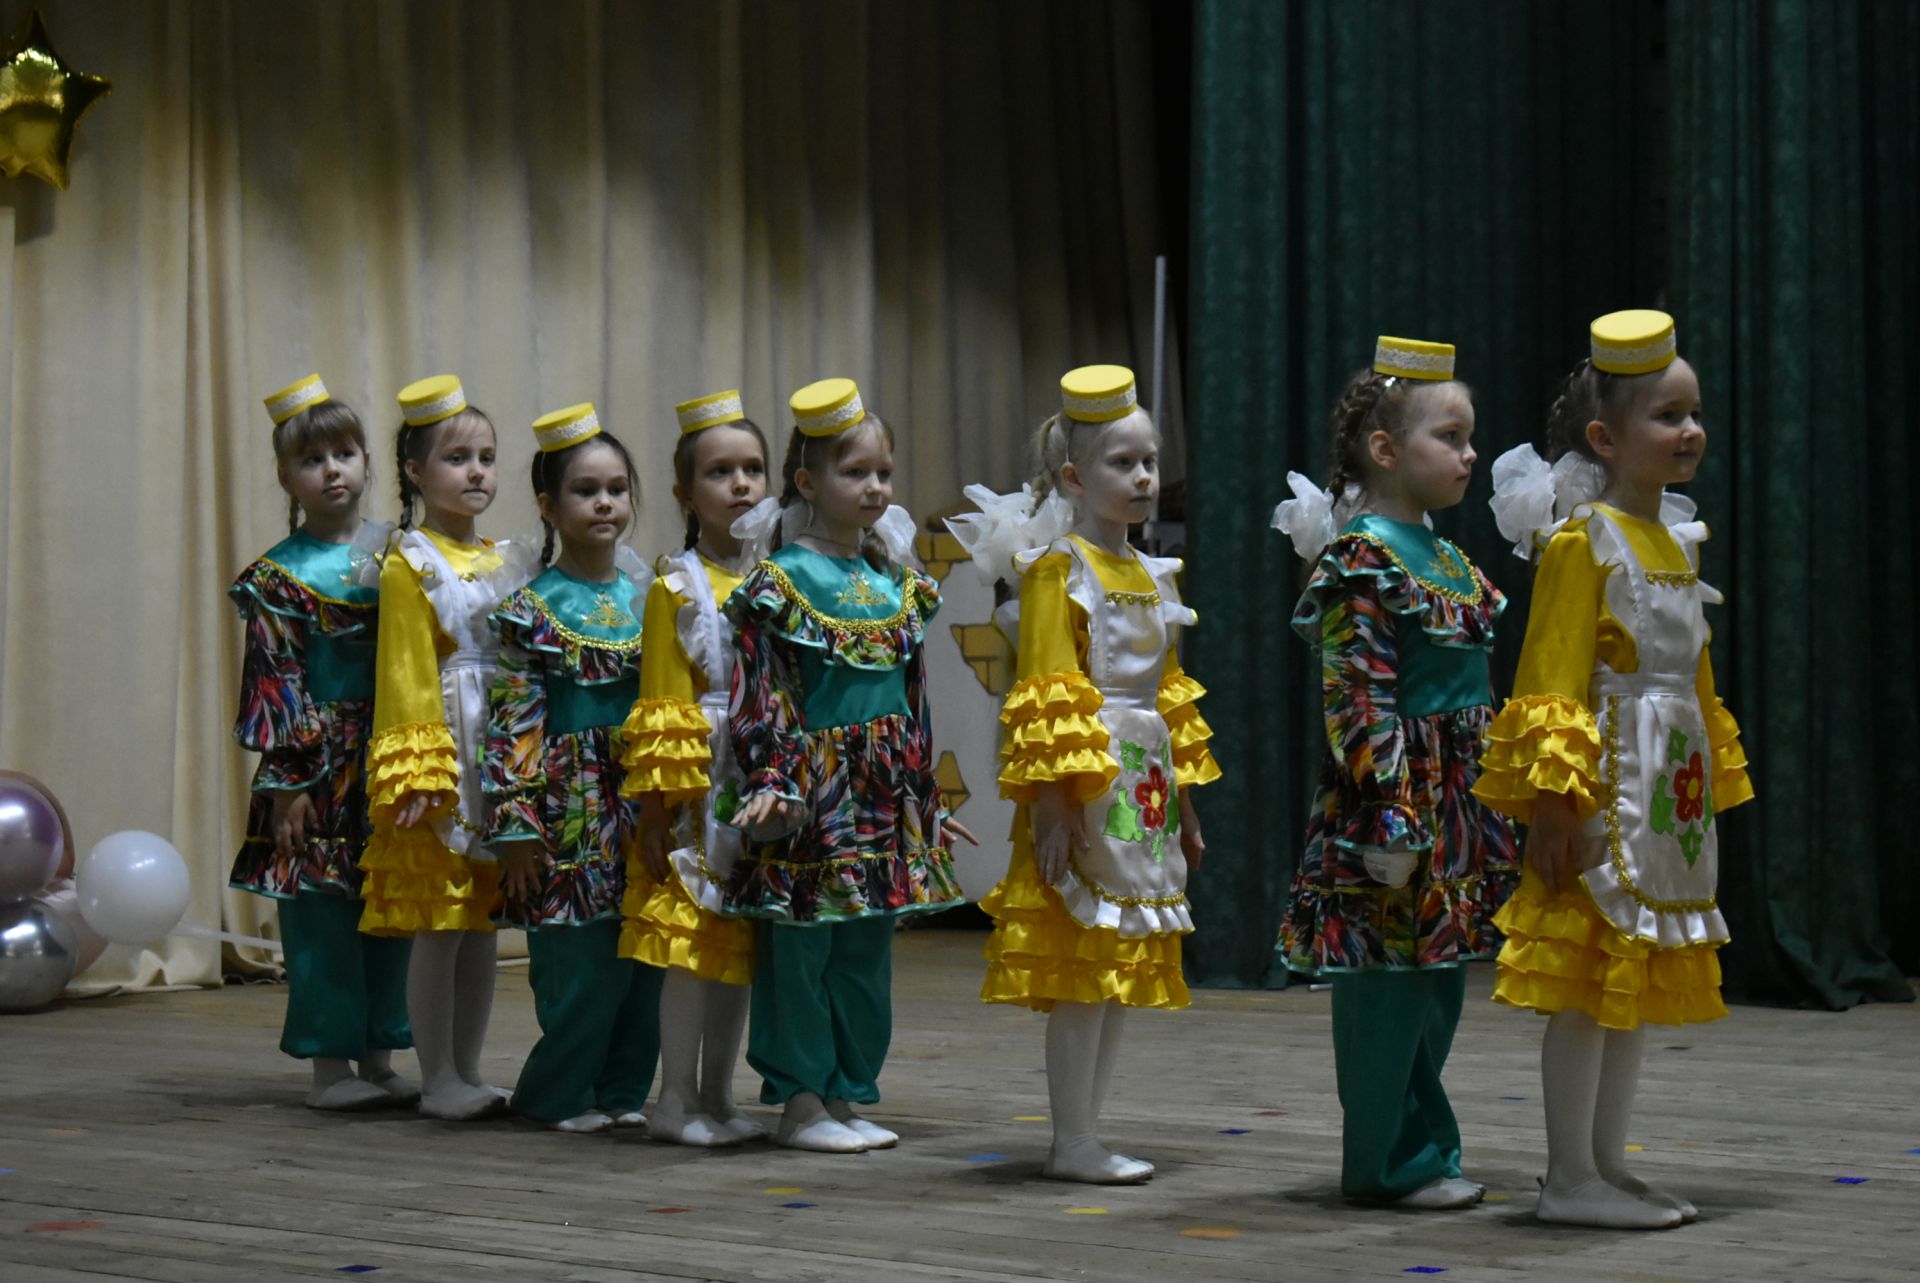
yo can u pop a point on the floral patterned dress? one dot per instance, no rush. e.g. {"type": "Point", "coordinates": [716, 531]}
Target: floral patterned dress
{"type": "Point", "coordinates": [1403, 624]}
{"type": "Point", "coordinates": [306, 706]}
{"type": "Point", "coordinates": [1102, 707]}
{"type": "Point", "coordinates": [1614, 707]}
{"type": "Point", "coordinates": [568, 671]}
{"type": "Point", "coordinates": [829, 709]}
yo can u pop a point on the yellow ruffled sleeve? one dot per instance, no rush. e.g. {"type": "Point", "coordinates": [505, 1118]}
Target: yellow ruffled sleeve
{"type": "Point", "coordinates": [411, 749]}
{"type": "Point", "coordinates": [1053, 731]}
{"type": "Point", "coordinates": [1546, 740]}
{"type": "Point", "coordinates": [1730, 784]}
{"type": "Point", "coordinates": [666, 733]}
{"type": "Point", "coordinates": [1193, 762]}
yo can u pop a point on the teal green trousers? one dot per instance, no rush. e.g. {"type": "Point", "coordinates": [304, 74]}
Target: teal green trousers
{"type": "Point", "coordinates": [346, 992]}
{"type": "Point", "coordinates": [822, 1009]}
{"type": "Point", "coordinates": [599, 1017]}
{"type": "Point", "coordinates": [1392, 1031]}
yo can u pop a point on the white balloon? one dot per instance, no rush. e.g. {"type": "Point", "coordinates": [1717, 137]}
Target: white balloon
{"type": "Point", "coordinates": [133, 887]}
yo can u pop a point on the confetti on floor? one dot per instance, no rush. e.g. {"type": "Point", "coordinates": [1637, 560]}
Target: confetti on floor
{"type": "Point", "coordinates": [1636, 1149]}
{"type": "Point", "coordinates": [669, 1211]}
{"type": "Point", "coordinates": [1849, 1180]}
{"type": "Point", "coordinates": [1211, 1231]}
{"type": "Point", "coordinates": [1269, 1113]}
{"type": "Point", "coordinates": [786, 1189]}
{"type": "Point", "coordinates": [1425, 1269]}
{"type": "Point", "coordinates": [1233, 1131]}
{"type": "Point", "coordinates": [57, 1227]}
{"type": "Point", "coordinates": [799, 1205]}
{"type": "Point", "coordinates": [1029, 1118]}
{"type": "Point", "coordinates": [1513, 1098]}
{"type": "Point", "coordinates": [986, 1158]}
{"type": "Point", "coordinates": [356, 1269]}
{"type": "Point", "coordinates": [1497, 1198]}
{"type": "Point", "coordinates": [1086, 1211]}
{"type": "Point", "coordinates": [1914, 1151]}
{"type": "Point", "coordinates": [68, 1131]}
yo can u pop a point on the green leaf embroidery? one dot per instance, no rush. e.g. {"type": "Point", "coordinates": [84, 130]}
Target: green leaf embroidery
{"type": "Point", "coordinates": [1690, 844]}
{"type": "Point", "coordinates": [1123, 820]}
{"type": "Point", "coordinates": [1706, 801]}
{"type": "Point", "coordinates": [1159, 845]}
{"type": "Point", "coordinates": [1133, 757]}
{"type": "Point", "coordinates": [1677, 746]}
{"type": "Point", "coordinates": [1661, 818]}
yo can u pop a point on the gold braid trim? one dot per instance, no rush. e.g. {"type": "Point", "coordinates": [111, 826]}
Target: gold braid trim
{"type": "Point", "coordinates": [909, 590]}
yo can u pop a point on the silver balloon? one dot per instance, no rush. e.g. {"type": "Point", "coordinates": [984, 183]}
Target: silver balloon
{"type": "Point", "coordinates": [30, 841]}
{"type": "Point", "coordinates": [38, 954]}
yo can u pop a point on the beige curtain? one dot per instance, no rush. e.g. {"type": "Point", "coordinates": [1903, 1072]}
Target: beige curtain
{"type": "Point", "coordinates": [629, 203]}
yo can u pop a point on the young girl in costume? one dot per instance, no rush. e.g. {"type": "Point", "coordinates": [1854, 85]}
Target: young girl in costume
{"type": "Point", "coordinates": [830, 728]}
{"type": "Point", "coordinates": [1404, 868]}
{"type": "Point", "coordinates": [568, 672]}
{"type": "Point", "coordinates": [1616, 753]}
{"type": "Point", "coordinates": [428, 874]}
{"type": "Point", "coordinates": [306, 703]}
{"type": "Point", "coordinates": [1103, 745]}
{"type": "Point", "coordinates": [680, 767]}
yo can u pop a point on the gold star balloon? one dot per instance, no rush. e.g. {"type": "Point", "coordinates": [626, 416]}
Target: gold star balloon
{"type": "Point", "coordinates": [41, 100]}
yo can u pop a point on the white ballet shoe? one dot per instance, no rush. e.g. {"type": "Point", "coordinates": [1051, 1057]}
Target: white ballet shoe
{"type": "Point", "coordinates": [697, 1130]}
{"type": "Point", "coordinates": [630, 1118]}
{"type": "Point", "coordinates": [1092, 1163]}
{"type": "Point", "coordinates": [584, 1124]}
{"type": "Point", "coordinates": [1595, 1203]}
{"type": "Point", "coordinates": [346, 1095]}
{"type": "Point", "coordinates": [818, 1134]}
{"type": "Point", "coordinates": [399, 1090]}
{"type": "Point", "coordinates": [1648, 1194]}
{"type": "Point", "coordinates": [1443, 1194]}
{"type": "Point", "coordinates": [462, 1103]}
{"type": "Point", "coordinates": [740, 1126]}
{"type": "Point", "coordinates": [876, 1136]}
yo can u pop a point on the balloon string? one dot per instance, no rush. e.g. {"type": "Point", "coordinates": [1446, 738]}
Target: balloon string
{"type": "Point", "coordinates": [208, 933]}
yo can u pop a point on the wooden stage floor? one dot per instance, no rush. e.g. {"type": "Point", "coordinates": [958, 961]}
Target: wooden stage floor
{"type": "Point", "coordinates": [161, 1137]}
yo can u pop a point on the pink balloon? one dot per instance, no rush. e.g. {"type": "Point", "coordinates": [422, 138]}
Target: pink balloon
{"type": "Point", "coordinates": [30, 841]}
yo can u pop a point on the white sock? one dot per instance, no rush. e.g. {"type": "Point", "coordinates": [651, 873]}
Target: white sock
{"type": "Point", "coordinates": [336, 1087]}
{"type": "Point", "coordinates": [431, 972]}
{"type": "Point", "coordinates": [1075, 1042]}
{"type": "Point", "coordinates": [1442, 1193]}
{"type": "Point", "coordinates": [1612, 1114]}
{"type": "Point", "coordinates": [584, 1124]}
{"type": "Point", "coordinates": [1574, 1193]}
{"type": "Point", "coordinates": [476, 973]}
{"type": "Point", "coordinates": [676, 1114]}
{"type": "Point", "coordinates": [726, 1026]}
{"type": "Point", "coordinates": [377, 1068]}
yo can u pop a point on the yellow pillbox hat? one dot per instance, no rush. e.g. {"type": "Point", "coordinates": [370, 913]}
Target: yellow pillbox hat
{"type": "Point", "coordinates": [828, 407]}
{"type": "Point", "coordinates": [709, 411]}
{"type": "Point", "coordinates": [1098, 393]}
{"type": "Point", "coordinates": [566, 427]}
{"type": "Point", "coordinates": [1413, 359]}
{"type": "Point", "coordinates": [1638, 341]}
{"type": "Point", "coordinates": [295, 397]}
{"type": "Point", "coordinates": [432, 399]}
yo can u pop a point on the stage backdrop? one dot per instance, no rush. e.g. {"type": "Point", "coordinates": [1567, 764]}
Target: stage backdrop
{"type": "Point", "coordinates": [628, 203]}
{"type": "Point", "coordinates": [1495, 175]}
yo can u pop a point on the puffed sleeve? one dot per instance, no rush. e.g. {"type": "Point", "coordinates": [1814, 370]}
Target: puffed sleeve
{"type": "Point", "coordinates": [1545, 740]}
{"type": "Point", "coordinates": [411, 750]}
{"type": "Point", "coordinates": [1053, 731]}
{"type": "Point", "coordinates": [1731, 785]}
{"type": "Point", "coordinates": [667, 749]}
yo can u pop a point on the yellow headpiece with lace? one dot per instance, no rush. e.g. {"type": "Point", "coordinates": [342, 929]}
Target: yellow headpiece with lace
{"type": "Point", "coordinates": [432, 399]}
{"type": "Point", "coordinates": [1098, 393]}
{"type": "Point", "coordinates": [566, 427]}
{"type": "Point", "coordinates": [1413, 359]}
{"type": "Point", "coordinates": [709, 411]}
{"type": "Point", "coordinates": [827, 408]}
{"type": "Point", "coordinates": [1638, 341]}
{"type": "Point", "coordinates": [295, 397]}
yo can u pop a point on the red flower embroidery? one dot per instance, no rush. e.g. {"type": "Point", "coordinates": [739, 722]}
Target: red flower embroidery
{"type": "Point", "coordinates": [1151, 794]}
{"type": "Point", "coordinates": [1689, 791]}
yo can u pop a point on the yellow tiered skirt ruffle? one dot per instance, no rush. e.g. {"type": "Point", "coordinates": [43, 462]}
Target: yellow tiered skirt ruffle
{"type": "Point", "coordinates": [1562, 954]}
{"type": "Point", "coordinates": [1054, 732]}
{"type": "Point", "coordinates": [1540, 744]}
{"type": "Point", "coordinates": [1192, 760]}
{"type": "Point", "coordinates": [414, 883]}
{"type": "Point", "coordinates": [416, 757]}
{"type": "Point", "coordinates": [1039, 954]}
{"type": "Point", "coordinates": [1731, 785]}
{"type": "Point", "coordinates": [667, 751]}
{"type": "Point", "coordinates": [662, 925]}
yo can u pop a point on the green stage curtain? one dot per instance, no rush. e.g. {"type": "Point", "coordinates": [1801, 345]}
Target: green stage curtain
{"type": "Point", "coordinates": [1795, 285]}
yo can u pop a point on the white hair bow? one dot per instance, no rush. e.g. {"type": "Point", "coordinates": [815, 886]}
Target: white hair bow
{"type": "Point", "coordinates": [1007, 524]}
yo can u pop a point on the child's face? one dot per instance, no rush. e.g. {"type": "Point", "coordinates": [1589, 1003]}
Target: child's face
{"type": "Point", "coordinates": [729, 476]}
{"type": "Point", "coordinates": [1661, 440]}
{"type": "Point", "coordinates": [1431, 461]}
{"type": "Point", "coordinates": [328, 480]}
{"type": "Point", "coordinates": [1120, 478]}
{"type": "Point", "coordinates": [595, 503]}
{"type": "Point", "coordinates": [458, 475]}
{"type": "Point", "coordinates": [855, 487]}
